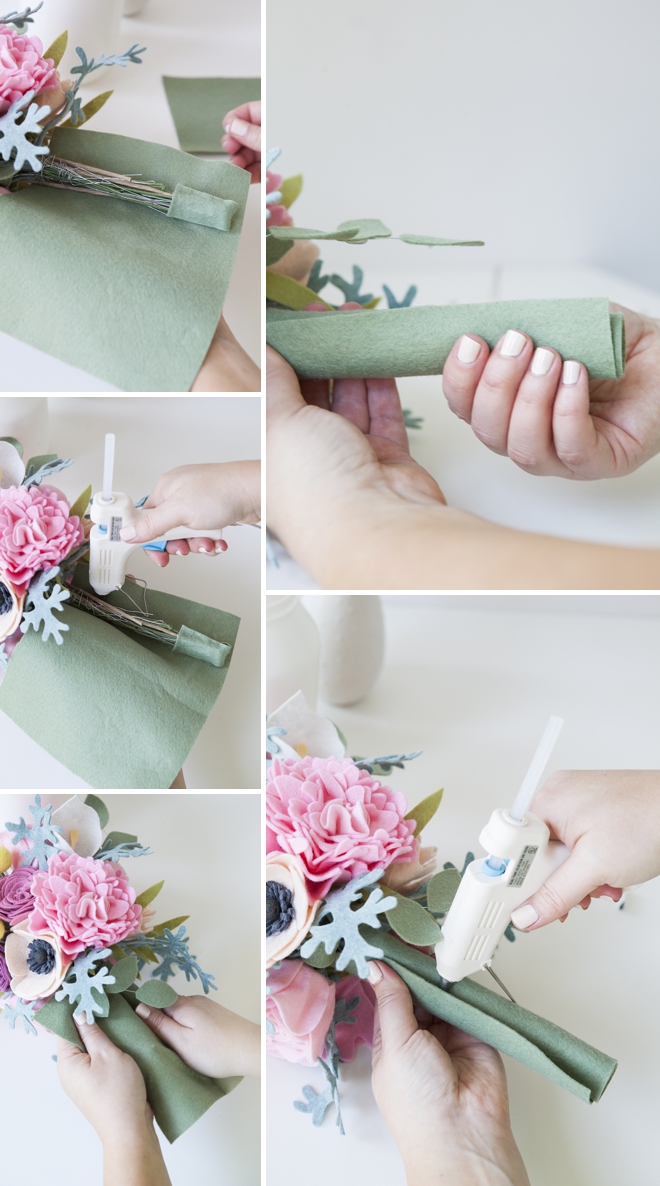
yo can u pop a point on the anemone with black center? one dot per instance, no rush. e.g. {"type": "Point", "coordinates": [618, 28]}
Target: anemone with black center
{"type": "Point", "coordinates": [6, 599]}
{"type": "Point", "coordinates": [41, 957]}
{"type": "Point", "coordinates": [280, 911]}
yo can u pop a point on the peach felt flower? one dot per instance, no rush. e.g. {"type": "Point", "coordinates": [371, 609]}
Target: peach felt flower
{"type": "Point", "coordinates": [406, 876]}
{"type": "Point", "coordinates": [289, 912]}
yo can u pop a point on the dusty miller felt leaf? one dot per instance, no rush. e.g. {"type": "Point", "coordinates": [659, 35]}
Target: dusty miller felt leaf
{"type": "Point", "coordinates": [147, 896]}
{"type": "Point", "coordinates": [172, 950]}
{"type": "Point", "coordinates": [385, 763]}
{"type": "Point", "coordinates": [410, 420]}
{"type": "Point", "coordinates": [85, 990]}
{"type": "Point", "coordinates": [441, 890]}
{"type": "Point", "coordinates": [318, 1104]}
{"type": "Point", "coordinates": [413, 923]}
{"type": "Point", "coordinates": [350, 290]}
{"type": "Point", "coordinates": [124, 973]}
{"type": "Point", "coordinates": [26, 1010]}
{"type": "Point", "coordinates": [346, 923]}
{"type": "Point", "coordinates": [85, 113]}
{"type": "Point", "coordinates": [82, 502]}
{"type": "Point", "coordinates": [316, 280]}
{"type": "Point", "coordinates": [432, 241]}
{"type": "Point", "coordinates": [291, 189]}
{"type": "Point", "coordinates": [57, 50]}
{"type": "Point", "coordinates": [157, 994]}
{"type": "Point", "coordinates": [45, 601]}
{"type": "Point", "coordinates": [289, 292]}
{"type": "Point", "coordinates": [42, 836]}
{"type": "Point", "coordinates": [408, 299]}
{"type": "Point", "coordinates": [99, 807]}
{"type": "Point", "coordinates": [119, 852]}
{"type": "Point", "coordinates": [423, 813]}
{"type": "Point", "coordinates": [39, 468]}
{"type": "Point", "coordinates": [13, 135]}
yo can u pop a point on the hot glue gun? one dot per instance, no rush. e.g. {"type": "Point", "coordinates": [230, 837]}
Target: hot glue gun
{"type": "Point", "coordinates": [521, 858]}
{"type": "Point", "coordinates": [110, 512]}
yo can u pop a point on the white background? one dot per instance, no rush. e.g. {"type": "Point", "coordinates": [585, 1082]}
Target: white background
{"type": "Point", "coordinates": [472, 682]}
{"type": "Point", "coordinates": [218, 39]}
{"type": "Point", "coordinates": [154, 436]}
{"type": "Point", "coordinates": [208, 850]}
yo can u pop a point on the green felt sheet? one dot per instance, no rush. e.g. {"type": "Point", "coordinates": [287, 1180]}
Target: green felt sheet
{"type": "Point", "coordinates": [199, 105]}
{"type": "Point", "coordinates": [533, 1041]}
{"type": "Point", "coordinates": [115, 288]}
{"type": "Point", "coordinates": [416, 341]}
{"type": "Point", "coordinates": [177, 1094]}
{"type": "Point", "coordinates": [119, 709]}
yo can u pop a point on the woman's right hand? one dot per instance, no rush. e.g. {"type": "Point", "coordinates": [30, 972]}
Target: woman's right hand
{"type": "Point", "coordinates": [208, 1037]}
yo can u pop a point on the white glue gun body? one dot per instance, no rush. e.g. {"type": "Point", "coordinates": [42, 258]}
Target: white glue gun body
{"type": "Point", "coordinates": [492, 888]}
{"type": "Point", "coordinates": [109, 553]}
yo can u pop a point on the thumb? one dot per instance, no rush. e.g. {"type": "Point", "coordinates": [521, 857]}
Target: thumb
{"type": "Point", "coordinates": [245, 133]}
{"type": "Point", "coordinates": [396, 1020]}
{"type": "Point", "coordinates": [568, 885]}
{"type": "Point", "coordinates": [284, 396]}
{"type": "Point", "coordinates": [164, 1027]}
{"type": "Point", "coordinates": [94, 1040]}
{"type": "Point", "coordinates": [154, 522]}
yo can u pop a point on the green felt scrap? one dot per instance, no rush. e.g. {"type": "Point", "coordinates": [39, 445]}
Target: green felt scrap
{"type": "Point", "coordinates": [416, 341]}
{"type": "Point", "coordinates": [100, 809]}
{"type": "Point", "coordinates": [121, 710]}
{"type": "Point", "coordinates": [157, 994]}
{"type": "Point", "coordinates": [200, 646]}
{"type": "Point", "coordinates": [192, 205]}
{"type": "Point", "coordinates": [124, 972]}
{"type": "Point", "coordinates": [149, 895]}
{"type": "Point", "coordinates": [149, 290]}
{"type": "Point", "coordinates": [423, 813]}
{"type": "Point", "coordinates": [177, 1094]}
{"type": "Point", "coordinates": [441, 890]}
{"type": "Point", "coordinates": [199, 105]}
{"type": "Point", "coordinates": [412, 922]}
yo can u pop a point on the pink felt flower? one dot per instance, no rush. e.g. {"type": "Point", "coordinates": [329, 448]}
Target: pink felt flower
{"type": "Point", "coordinates": [339, 820]}
{"type": "Point", "coordinates": [16, 901]}
{"type": "Point", "coordinates": [86, 903]}
{"type": "Point", "coordinates": [36, 531]}
{"type": "Point", "coordinates": [350, 1035]}
{"type": "Point", "coordinates": [299, 1008]}
{"type": "Point", "coordinates": [277, 215]}
{"type": "Point", "coordinates": [22, 67]}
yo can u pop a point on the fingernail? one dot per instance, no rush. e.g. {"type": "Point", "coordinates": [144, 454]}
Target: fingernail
{"type": "Point", "coordinates": [80, 1019]}
{"type": "Point", "coordinates": [542, 361]}
{"type": "Point", "coordinates": [513, 344]}
{"type": "Point", "coordinates": [218, 550]}
{"type": "Point", "coordinates": [375, 974]}
{"type": "Point", "coordinates": [523, 917]}
{"type": "Point", "coordinates": [178, 552]}
{"type": "Point", "coordinates": [205, 551]}
{"type": "Point", "coordinates": [570, 374]}
{"type": "Point", "coordinates": [468, 349]}
{"type": "Point", "coordinates": [128, 533]}
{"type": "Point", "coordinates": [239, 127]}
{"type": "Point", "coordinates": [143, 1011]}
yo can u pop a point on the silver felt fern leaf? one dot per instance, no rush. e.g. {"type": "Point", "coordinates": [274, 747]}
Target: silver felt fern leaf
{"type": "Point", "coordinates": [13, 135]}
{"type": "Point", "coordinates": [26, 1010]}
{"type": "Point", "coordinates": [346, 923]}
{"type": "Point", "coordinates": [88, 991]}
{"type": "Point", "coordinates": [43, 836]}
{"type": "Point", "coordinates": [45, 601]}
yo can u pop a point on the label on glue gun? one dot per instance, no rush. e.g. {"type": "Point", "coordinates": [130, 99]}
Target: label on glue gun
{"type": "Point", "coordinates": [116, 524]}
{"type": "Point", "coordinates": [524, 865]}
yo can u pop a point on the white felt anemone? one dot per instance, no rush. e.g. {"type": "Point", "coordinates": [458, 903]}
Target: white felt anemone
{"type": "Point", "coordinates": [307, 732]}
{"type": "Point", "coordinates": [12, 469]}
{"type": "Point", "coordinates": [35, 962]}
{"type": "Point", "coordinates": [81, 827]}
{"type": "Point", "coordinates": [289, 912]}
{"type": "Point", "coordinates": [11, 607]}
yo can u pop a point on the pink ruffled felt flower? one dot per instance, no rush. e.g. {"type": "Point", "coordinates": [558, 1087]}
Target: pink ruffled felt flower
{"type": "Point", "coordinates": [299, 1008]}
{"type": "Point", "coordinates": [86, 903]}
{"type": "Point", "coordinates": [22, 67]}
{"type": "Point", "coordinates": [277, 215]}
{"type": "Point", "coordinates": [350, 1035]}
{"type": "Point", "coordinates": [36, 531]}
{"type": "Point", "coordinates": [339, 820]}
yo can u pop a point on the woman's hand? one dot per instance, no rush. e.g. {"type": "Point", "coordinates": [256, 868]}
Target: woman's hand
{"type": "Point", "coordinates": [610, 820]}
{"type": "Point", "coordinates": [208, 1037]}
{"type": "Point", "coordinates": [443, 1095]}
{"type": "Point", "coordinates": [242, 139]}
{"type": "Point", "coordinates": [227, 366]}
{"type": "Point", "coordinates": [547, 416]}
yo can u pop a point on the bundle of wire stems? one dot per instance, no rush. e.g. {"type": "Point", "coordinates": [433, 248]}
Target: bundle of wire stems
{"type": "Point", "coordinates": [69, 175]}
{"type": "Point", "coordinates": [136, 621]}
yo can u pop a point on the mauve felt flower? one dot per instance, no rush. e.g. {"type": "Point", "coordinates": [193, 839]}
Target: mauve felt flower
{"type": "Point", "coordinates": [407, 876]}
{"type": "Point", "coordinates": [22, 67]}
{"type": "Point", "coordinates": [86, 903]}
{"type": "Point", "coordinates": [36, 963]}
{"type": "Point", "coordinates": [36, 531]}
{"type": "Point", "coordinates": [5, 974]}
{"type": "Point", "coordinates": [289, 911]}
{"type": "Point", "coordinates": [299, 1008]}
{"type": "Point", "coordinates": [340, 820]}
{"type": "Point", "coordinates": [11, 608]}
{"type": "Point", "coordinates": [350, 1035]}
{"type": "Point", "coordinates": [16, 901]}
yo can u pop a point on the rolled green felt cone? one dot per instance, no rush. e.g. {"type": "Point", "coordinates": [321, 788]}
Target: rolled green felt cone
{"type": "Point", "coordinates": [177, 1094]}
{"type": "Point", "coordinates": [381, 343]}
{"type": "Point", "coordinates": [119, 709]}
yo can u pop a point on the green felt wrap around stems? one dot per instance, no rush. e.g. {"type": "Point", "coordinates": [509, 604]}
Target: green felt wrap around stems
{"type": "Point", "coordinates": [177, 1094]}
{"type": "Point", "coordinates": [119, 709]}
{"type": "Point", "coordinates": [191, 205]}
{"type": "Point", "coordinates": [140, 295]}
{"type": "Point", "coordinates": [539, 1044]}
{"type": "Point", "coordinates": [199, 105]}
{"type": "Point", "coordinates": [416, 341]}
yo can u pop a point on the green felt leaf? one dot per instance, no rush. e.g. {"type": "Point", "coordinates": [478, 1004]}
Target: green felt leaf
{"type": "Point", "coordinates": [17, 444]}
{"type": "Point", "coordinates": [275, 249]}
{"type": "Point", "coordinates": [289, 292]}
{"type": "Point", "coordinates": [424, 811]}
{"type": "Point", "coordinates": [320, 958]}
{"type": "Point", "coordinates": [170, 925]}
{"type": "Point", "coordinates": [301, 232]}
{"type": "Point", "coordinates": [441, 890]}
{"type": "Point", "coordinates": [157, 993]}
{"type": "Point", "coordinates": [113, 839]}
{"type": "Point", "coordinates": [145, 953]}
{"type": "Point", "coordinates": [98, 804]}
{"type": "Point", "coordinates": [57, 1016]}
{"type": "Point", "coordinates": [413, 923]}
{"type": "Point", "coordinates": [148, 895]}
{"type": "Point", "coordinates": [373, 303]}
{"type": "Point", "coordinates": [90, 109]}
{"type": "Point", "coordinates": [57, 50]}
{"type": "Point", "coordinates": [365, 228]}
{"type": "Point", "coordinates": [124, 972]}
{"type": "Point", "coordinates": [291, 189]}
{"type": "Point", "coordinates": [42, 459]}
{"type": "Point", "coordinates": [432, 241]}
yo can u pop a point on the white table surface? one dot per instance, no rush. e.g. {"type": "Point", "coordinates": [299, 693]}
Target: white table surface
{"type": "Point", "coordinates": [223, 40]}
{"type": "Point", "coordinates": [472, 682]}
{"type": "Point", "coordinates": [153, 436]}
{"type": "Point", "coordinates": [205, 846]}
{"type": "Point", "coordinates": [622, 511]}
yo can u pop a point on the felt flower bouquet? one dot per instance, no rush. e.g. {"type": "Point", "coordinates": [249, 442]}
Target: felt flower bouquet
{"type": "Point", "coordinates": [76, 940]}
{"type": "Point", "coordinates": [348, 880]}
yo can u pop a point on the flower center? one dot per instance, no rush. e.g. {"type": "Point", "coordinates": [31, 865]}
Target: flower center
{"type": "Point", "coordinates": [41, 957]}
{"type": "Point", "coordinates": [6, 599]}
{"type": "Point", "coordinates": [280, 911]}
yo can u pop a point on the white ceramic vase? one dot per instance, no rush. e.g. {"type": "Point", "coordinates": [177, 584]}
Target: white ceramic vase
{"type": "Point", "coordinates": [26, 419]}
{"type": "Point", "coordinates": [92, 24]}
{"type": "Point", "coordinates": [292, 652]}
{"type": "Point", "coordinates": [352, 645]}
{"type": "Point", "coordinates": [134, 7]}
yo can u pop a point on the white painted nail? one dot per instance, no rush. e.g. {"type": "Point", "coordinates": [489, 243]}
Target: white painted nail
{"type": "Point", "coordinates": [128, 533]}
{"type": "Point", "coordinates": [571, 373]}
{"type": "Point", "coordinates": [542, 361]}
{"type": "Point", "coordinates": [375, 973]}
{"type": "Point", "coordinates": [523, 917]}
{"type": "Point", "coordinates": [468, 349]}
{"type": "Point", "coordinates": [205, 551]}
{"type": "Point", "coordinates": [513, 344]}
{"type": "Point", "coordinates": [143, 1010]}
